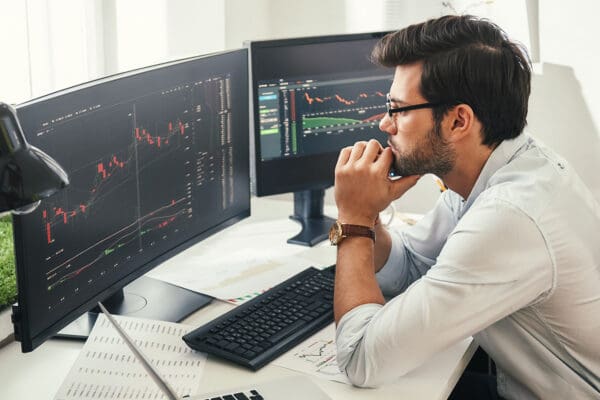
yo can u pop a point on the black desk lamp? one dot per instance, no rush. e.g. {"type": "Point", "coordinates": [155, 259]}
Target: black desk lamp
{"type": "Point", "coordinates": [27, 174]}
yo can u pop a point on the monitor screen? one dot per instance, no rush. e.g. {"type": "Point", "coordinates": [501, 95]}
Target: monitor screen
{"type": "Point", "coordinates": [311, 97]}
{"type": "Point", "coordinates": [157, 159]}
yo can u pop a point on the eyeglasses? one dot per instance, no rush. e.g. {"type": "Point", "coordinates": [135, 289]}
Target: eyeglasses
{"type": "Point", "coordinates": [391, 111]}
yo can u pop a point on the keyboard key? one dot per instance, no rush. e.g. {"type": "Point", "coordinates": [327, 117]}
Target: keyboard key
{"type": "Point", "coordinates": [232, 346]}
{"type": "Point", "coordinates": [286, 332]}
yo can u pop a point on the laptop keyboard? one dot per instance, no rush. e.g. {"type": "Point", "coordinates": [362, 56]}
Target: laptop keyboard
{"type": "Point", "coordinates": [267, 326]}
{"type": "Point", "coordinates": [253, 395]}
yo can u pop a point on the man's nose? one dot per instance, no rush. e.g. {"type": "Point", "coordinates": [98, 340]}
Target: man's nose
{"type": "Point", "coordinates": [387, 125]}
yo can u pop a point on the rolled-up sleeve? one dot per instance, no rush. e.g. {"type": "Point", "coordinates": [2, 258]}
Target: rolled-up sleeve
{"type": "Point", "coordinates": [349, 336]}
{"type": "Point", "coordinates": [415, 249]}
{"type": "Point", "coordinates": [402, 267]}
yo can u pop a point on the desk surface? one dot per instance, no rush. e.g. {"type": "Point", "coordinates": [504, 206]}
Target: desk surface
{"type": "Point", "coordinates": [39, 374]}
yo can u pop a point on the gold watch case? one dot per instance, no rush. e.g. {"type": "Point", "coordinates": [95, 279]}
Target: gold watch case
{"type": "Point", "coordinates": [335, 233]}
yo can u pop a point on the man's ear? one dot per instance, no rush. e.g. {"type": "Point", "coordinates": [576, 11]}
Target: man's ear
{"type": "Point", "coordinates": [460, 121]}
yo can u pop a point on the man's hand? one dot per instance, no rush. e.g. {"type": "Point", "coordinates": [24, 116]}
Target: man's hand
{"type": "Point", "coordinates": [362, 186]}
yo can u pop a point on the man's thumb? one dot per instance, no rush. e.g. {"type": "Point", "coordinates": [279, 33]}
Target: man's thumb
{"type": "Point", "coordinates": [402, 185]}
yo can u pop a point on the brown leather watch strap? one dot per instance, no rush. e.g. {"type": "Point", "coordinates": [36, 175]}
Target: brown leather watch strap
{"type": "Point", "coordinates": [357, 230]}
{"type": "Point", "coordinates": [339, 231]}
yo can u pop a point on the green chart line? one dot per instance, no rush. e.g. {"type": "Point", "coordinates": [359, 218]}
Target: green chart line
{"type": "Point", "coordinates": [309, 123]}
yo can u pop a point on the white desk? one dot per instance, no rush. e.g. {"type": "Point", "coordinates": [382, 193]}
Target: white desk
{"type": "Point", "coordinates": [39, 374]}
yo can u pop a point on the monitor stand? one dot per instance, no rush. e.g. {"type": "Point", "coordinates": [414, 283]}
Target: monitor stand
{"type": "Point", "coordinates": [308, 211]}
{"type": "Point", "coordinates": [144, 298]}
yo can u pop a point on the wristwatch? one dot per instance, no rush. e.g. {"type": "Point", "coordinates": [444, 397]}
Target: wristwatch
{"type": "Point", "coordinates": [339, 231]}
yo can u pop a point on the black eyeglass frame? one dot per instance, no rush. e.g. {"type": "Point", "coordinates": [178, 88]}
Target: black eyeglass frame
{"type": "Point", "coordinates": [391, 111]}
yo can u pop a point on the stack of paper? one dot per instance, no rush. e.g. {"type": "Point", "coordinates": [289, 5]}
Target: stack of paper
{"type": "Point", "coordinates": [107, 369]}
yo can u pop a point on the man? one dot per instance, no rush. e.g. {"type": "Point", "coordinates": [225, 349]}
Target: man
{"type": "Point", "coordinates": [511, 252]}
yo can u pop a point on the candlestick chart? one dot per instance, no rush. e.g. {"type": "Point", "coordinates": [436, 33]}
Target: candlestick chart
{"type": "Point", "coordinates": [310, 116]}
{"type": "Point", "coordinates": [141, 171]}
{"type": "Point", "coordinates": [324, 110]}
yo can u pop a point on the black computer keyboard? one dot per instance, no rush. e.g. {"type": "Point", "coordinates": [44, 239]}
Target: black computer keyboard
{"type": "Point", "coordinates": [262, 329]}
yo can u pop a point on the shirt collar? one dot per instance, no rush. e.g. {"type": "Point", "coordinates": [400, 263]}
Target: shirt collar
{"type": "Point", "coordinates": [499, 158]}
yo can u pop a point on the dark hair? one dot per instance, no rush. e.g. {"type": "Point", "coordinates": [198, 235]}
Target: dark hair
{"type": "Point", "coordinates": [466, 60]}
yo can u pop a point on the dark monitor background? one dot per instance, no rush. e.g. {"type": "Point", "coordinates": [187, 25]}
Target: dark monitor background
{"type": "Point", "coordinates": [158, 160]}
{"type": "Point", "coordinates": [311, 97]}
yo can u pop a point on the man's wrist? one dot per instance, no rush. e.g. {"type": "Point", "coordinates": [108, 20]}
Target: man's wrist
{"type": "Point", "coordinates": [363, 240]}
{"type": "Point", "coordinates": [357, 220]}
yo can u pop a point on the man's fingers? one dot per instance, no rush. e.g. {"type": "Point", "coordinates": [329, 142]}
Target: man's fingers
{"type": "Point", "coordinates": [357, 151]}
{"type": "Point", "coordinates": [363, 151]}
{"type": "Point", "coordinates": [344, 156]}
{"type": "Point", "coordinates": [372, 151]}
{"type": "Point", "coordinates": [384, 160]}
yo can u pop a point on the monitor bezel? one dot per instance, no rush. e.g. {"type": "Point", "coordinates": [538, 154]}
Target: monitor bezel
{"type": "Point", "coordinates": [20, 316]}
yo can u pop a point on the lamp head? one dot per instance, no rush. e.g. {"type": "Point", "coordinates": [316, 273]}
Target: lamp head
{"type": "Point", "coordinates": [27, 174]}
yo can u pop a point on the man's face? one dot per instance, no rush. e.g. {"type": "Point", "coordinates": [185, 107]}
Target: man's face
{"type": "Point", "coordinates": [416, 141]}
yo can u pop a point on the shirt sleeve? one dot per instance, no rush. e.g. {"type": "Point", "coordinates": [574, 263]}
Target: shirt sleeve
{"type": "Point", "coordinates": [415, 249]}
{"type": "Point", "coordinates": [494, 262]}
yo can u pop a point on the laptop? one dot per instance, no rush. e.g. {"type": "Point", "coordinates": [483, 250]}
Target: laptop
{"type": "Point", "coordinates": [291, 388]}
{"type": "Point", "coordinates": [297, 387]}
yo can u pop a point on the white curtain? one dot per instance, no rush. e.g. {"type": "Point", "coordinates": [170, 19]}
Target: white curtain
{"type": "Point", "coordinates": [49, 45]}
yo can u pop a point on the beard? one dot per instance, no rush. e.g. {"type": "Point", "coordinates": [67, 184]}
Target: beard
{"type": "Point", "coordinates": [431, 155]}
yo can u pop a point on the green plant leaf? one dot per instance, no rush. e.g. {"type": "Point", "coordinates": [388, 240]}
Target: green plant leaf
{"type": "Point", "coordinates": [8, 281]}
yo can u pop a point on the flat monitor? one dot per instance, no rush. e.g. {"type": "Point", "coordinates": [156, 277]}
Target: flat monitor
{"type": "Point", "coordinates": [158, 160]}
{"type": "Point", "coordinates": [310, 98]}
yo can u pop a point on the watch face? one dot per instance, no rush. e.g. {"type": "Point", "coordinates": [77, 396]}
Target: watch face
{"type": "Point", "coordinates": [335, 233]}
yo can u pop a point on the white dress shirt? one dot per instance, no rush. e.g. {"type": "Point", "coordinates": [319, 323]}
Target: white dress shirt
{"type": "Point", "coordinates": [516, 265]}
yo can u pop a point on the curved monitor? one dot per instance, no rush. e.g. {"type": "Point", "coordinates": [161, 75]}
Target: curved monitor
{"type": "Point", "coordinates": [311, 97]}
{"type": "Point", "coordinates": [158, 160]}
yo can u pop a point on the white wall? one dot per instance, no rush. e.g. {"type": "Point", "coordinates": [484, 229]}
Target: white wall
{"type": "Point", "coordinates": [142, 36]}
{"type": "Point", "coordinates": [565, 102]}
{"type": "Point", "coordinates": [272, 19]}
{"type": "Point", "coordinates": [195, 27]}
{"type": "Point", "coordinates": [289, 18]}
{"type": "Point", "coordinates": [569, 37]}
{"type": "Point", "coordinates": [246, 20]}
